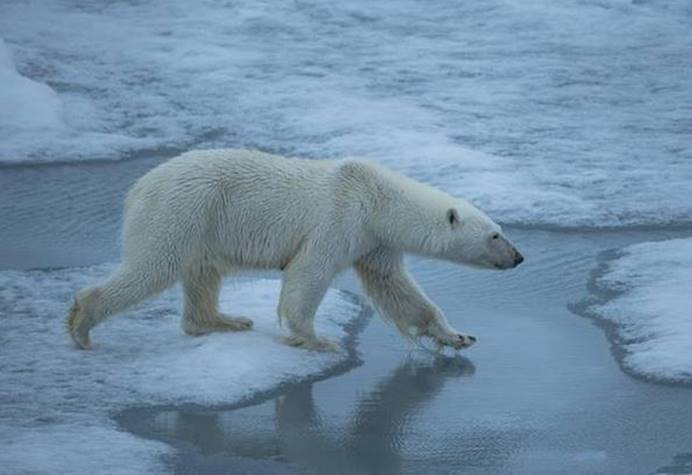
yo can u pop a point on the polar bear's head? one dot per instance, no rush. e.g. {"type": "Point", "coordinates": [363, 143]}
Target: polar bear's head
{"type": "Point", "coordinates": [417, 218]}
{"type": "Point", "coordinates": [470, 237]}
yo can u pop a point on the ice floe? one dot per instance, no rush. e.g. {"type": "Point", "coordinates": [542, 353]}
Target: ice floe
{"type": "Point", "coordinates": [56, 399]}
{"type": "Point", "coordinates": [648, 298]}
{"type": "Point", "coordinates": [29, 110]}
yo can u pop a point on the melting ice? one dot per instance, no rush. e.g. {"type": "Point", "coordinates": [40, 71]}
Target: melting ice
{"type": "Point", "coordinates": [56, 399]}
{"type": "Point", "coordinates": [650, 308]}
{"type": "Point", "coordinates": [572, 113]}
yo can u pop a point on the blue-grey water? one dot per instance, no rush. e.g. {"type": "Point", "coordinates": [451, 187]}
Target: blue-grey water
{"type": "Point", "coordinates": [569, 122]}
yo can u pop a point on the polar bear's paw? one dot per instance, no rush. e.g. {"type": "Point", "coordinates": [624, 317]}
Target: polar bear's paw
{"type": "Point", "coordinates": [233, 324]}
{"type": "Point", "coordinates": [221, 323]}
{"type": "Point", "coordinates": [324, 345]}
{"type": "Point", "coordinates": [78, 327]}
{"type": "Point", "coordinates": [457, 341]}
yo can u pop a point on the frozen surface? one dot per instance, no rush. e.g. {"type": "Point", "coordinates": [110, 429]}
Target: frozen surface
{"type": "Point", "coordinates": [34, 121]}
{"type": "Point", "coordinates": [566, 113]}
{"type": "Point", "coordinates": [27, 108]}
{"type": "Point", "coordinates": [86, 447]}
{"type": "Point", "coordinates": [55, 399]}
{"type": "Point", "coordinates": [652, 308]}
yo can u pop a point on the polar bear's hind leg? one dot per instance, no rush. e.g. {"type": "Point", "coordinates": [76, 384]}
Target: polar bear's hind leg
{"type": "Point", "coordinates": [125, 288]}
{"type": "Point", "coordinates": [201, 285]}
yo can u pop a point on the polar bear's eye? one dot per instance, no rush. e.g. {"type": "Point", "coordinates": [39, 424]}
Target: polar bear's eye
{"type": "Point", "coordinates": [496, 236]}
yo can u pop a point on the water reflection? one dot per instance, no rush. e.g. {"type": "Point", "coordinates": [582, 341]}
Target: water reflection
{"type": "Point", "coordinates": [378, 427]}
{"type": "Point", "coordinates": [291, 430]}
{"type": "Point", "coordinates": [682, 463]}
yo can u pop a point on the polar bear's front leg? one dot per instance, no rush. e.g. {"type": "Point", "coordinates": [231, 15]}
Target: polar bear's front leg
{"type": "Point", "coordinates": [398, 298]}
{"type": "Point", "coordinates": [304, 284]}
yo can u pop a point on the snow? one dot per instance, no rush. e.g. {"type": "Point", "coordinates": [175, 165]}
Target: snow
{"type": "Point", "coordinates": [27, 108]}
{"type": "Point", "coordinates": [25, 104]}
{"type": "Point", "coordinates": [545, 113]}
{"type": "Point", "coordinates": [652, 308]}
{"type": "Point", "coordinates": [56, 399]}
{"type": "Point", "coordinates": [79, 448]}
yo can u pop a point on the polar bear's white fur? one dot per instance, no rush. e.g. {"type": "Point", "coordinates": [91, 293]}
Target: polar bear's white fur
{"type": "Point", "coordinates": [208, 213]}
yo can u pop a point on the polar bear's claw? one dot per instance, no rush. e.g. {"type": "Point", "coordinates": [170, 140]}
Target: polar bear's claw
{"type": "Point", "coordinates": [315, 344]}
{"type": "Point", "coordinates": [222, 323]}
{"type": "Point", "coordinates": [234, 324]}
{"type": "Point", "coordinates": [81, 339]}
{"type": "Point", "coordinates": [463, 341]}
{"type": "Point", "coordinates": [457, 341]}
{"type": "Point", "coordinates": [77, 328]}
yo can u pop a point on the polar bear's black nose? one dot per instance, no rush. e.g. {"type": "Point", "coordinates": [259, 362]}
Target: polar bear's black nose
{"type": "Point", "coordinates": [518, 258]}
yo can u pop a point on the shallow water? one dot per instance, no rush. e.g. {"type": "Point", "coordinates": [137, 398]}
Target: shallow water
{"type": "Point", "coordinates": [540, 393]}
{"type": "Point", "coordinates": [64, 214]}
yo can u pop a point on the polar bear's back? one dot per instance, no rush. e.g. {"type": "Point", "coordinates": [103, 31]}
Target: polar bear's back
{"type": "Point", "coordinates": [256, 206]}
{"type": "Point", "coordinates": [235, 167]}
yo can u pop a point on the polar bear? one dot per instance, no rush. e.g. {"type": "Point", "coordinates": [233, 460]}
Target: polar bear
{"type": "Point", "coordinates": [205, 214]}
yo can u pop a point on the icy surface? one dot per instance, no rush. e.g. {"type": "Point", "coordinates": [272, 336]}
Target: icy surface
{"type": "Point", "coordinates": [25, 104]}
{"type": "Point", "coordinates": [27, 108]}
{"type": "Point", "coordinates": [652, 308]}
{"type": "Point", "coordinates": [55, 399]}
{"type": "Point", "coordinates": [570, 113]}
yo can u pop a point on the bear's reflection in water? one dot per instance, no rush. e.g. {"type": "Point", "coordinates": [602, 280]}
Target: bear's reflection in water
{"type": "Point", "coordinates": [296, 436]}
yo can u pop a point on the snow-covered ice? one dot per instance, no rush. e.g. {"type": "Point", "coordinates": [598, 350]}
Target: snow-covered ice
{"type": "Point", "coordinates": [25, 104]}
{"type": "Point", "coordinates": [553, 113]}
{"type": "Point", "coordinates": [28, 109]}
{"type": "Point", "coordinates": [651, 306]}
{"type": "Point", "coordinates": [56, 400]}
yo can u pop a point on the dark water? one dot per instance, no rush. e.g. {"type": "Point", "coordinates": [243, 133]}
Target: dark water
{"type": "Point", "coordinates": [63, 215]}
{"type": "Point", "coordinates": [540, 393]}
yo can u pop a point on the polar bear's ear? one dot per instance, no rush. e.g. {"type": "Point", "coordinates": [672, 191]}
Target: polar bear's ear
{"type": "Point", "coordinates": [453, 218]}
